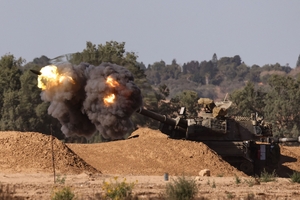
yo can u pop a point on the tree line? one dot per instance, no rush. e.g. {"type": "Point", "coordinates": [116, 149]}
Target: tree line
{"type": "Point", "coordinates": [270, 90]}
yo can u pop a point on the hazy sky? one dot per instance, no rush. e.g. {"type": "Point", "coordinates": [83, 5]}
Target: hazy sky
{"type": "Point", "coordinates": [260, 31]}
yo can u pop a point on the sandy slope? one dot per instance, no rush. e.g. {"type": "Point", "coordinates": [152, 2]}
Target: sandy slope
{"type": "Point", "coordinates": [153, 153]}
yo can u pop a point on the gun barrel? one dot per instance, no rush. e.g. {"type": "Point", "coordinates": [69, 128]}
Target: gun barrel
{"type": "Point", "coordinates": [282, 140]}
{"type": "Point", "coordinates": [156, 116]}
{"type": "Point", "coordinates": [36, 72]}
{"type": "Point", "coordinates": [175, 127]}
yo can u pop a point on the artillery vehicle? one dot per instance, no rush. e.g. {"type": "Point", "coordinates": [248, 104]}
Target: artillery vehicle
{"type": "Point", "coordinates": [246, 143]}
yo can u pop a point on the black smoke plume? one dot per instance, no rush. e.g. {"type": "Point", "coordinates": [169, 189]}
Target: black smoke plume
{"type": "Point", "coordinates": [79, 105]}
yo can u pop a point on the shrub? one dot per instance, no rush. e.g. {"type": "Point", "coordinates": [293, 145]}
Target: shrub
{"type": "Point", "coordinates": [213, 184]}
{"type": "Point", "coordinates": [267, 177]}
{"type": "Point", "coordinates": [295, 177]}
{"type": "Point", "coordinates": [208, 182]}
{"type": "Point", "coordinates": [117, 190]}
{"type": "Point", "coordinates": [181, 188]}
{"type": "Point", "coordinates": [230, 195]}
{"type": "Point", "coordinates": [237, 180]}
{"type": "Point", "coordinates": [60, 192]}
{"type": "Point", "coordinates": [252, 182]}
{"type": "Point", "coordinates": [64, 193]}
{"type": "Point", "coordinates": [60, 180]}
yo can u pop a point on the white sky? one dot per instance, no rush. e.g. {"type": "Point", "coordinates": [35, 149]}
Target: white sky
{"type": "Point", "coordinates": [260, 31]}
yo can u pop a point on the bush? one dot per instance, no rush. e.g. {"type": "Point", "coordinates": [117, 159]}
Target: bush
{"type": "Point", "coordinates": [60, 180]}
{"type": "Point", "coordinates": [267, 177]}
{"type": "Point", "coordinates": [213, 184]}
{"type": "Point", "coordinates": [250, 182]}
{"type": "Point", "coordinates": [117, 190]}
{"type": "Point", "coordinates": [295, 177]}
{"type": "Point", "coordinates": [237, 180]}
{"type": "Point", "coordinates": [64, 193]}
{"type": "Point", "coordinates": [181, 188]}
{"type": "Point", "coordinates": [230, 195]}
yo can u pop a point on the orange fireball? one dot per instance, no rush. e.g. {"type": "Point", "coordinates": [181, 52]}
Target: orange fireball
{"type": "Point", "coordinates": [109, 99]}
{"type": "Point", "coordinates": [110, 81]}
{"type": "Point", "coordinates": [50, 77]}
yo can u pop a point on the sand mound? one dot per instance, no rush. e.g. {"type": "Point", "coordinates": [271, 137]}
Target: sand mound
{"type": "Point", "coordinates": [31, 152]}
{"type": "Point", "coordinates": [153, 153]}
{"type": "Point", "coordinates": [148, 152]}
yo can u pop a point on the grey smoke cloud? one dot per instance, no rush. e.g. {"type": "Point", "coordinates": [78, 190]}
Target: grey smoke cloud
{"type": "Point", "coordinates": [79, 105]}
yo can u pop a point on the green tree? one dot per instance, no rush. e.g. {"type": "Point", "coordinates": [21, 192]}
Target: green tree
{"type": "Point", "coordinates": [190, 67]}
{"type": "Point", "coordinates": [10, 119]}
{"type": "Point", "coordinates": [282, 104]}
{"type": "Point", "coordinates": [113, 52]}
{"type": "Point", "coordinates": [247, 100]}
{"type": "Point", "coordinates": [254, 73]}
{"type": "Point", "coordinates": [276, 67]}
{"type": "Point", "coordinates": [189, 100]}
{"type": "Point", "coordinates": [214, 60]}
{"type": "Point", "coordinates": [10, 85]}
{"type": "Point", "coordinates": [155, 72]}
{"type": "Point", "coordinates": [228, 67]}
{"type": "Point", "coordinates": [171, 72]}
{"type": "Point", "coordinates": [242, 72]}
{"type": "Point", "coordinates": [164, 106]}
{"type": "Point", "coordinates": [207, 70]}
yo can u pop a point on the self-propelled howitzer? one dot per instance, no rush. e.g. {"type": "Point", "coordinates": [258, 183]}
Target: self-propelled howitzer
{"type": "Point", "coordinates": [246, 143]}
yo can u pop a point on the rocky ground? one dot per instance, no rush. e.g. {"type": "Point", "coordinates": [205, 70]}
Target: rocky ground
{"type": "Point", "coordinates": [26, 164]}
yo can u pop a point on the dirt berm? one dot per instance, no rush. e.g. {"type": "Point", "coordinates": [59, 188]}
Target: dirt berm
{"type": "Point", "coordinates": [26, 164]}
{"type": "Point", "coordinates": [153, 153]}
{"type": "Point", "coordinates": [149, 153]}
